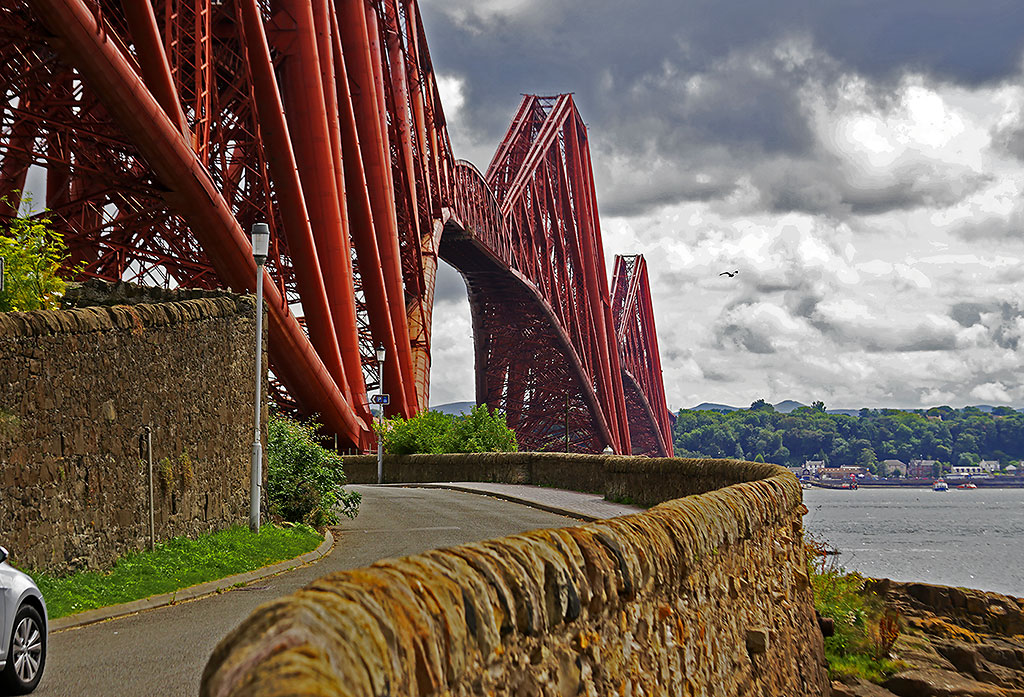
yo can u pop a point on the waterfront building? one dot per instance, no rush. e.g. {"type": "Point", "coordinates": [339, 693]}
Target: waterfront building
{"type": "Point", "coordinates": [989, 465]}
{"type": "Point", "coordinates": [892, 466]}
{"type": "Point", "coordinates": [920, 469]}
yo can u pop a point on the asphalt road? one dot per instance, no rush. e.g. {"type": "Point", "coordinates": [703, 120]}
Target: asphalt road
{"type": "Point", "coordinates": [163, 651]}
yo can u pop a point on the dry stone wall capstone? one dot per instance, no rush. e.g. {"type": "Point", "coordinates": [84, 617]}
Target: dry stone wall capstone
{"type": "Point", "coordinates": [707, 594]}
{"type": "Point", "coordinates": [77, 386]}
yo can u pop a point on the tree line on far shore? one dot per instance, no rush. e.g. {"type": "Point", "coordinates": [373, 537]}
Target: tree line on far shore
{"type": "Point", "coordinates": [760, 433]}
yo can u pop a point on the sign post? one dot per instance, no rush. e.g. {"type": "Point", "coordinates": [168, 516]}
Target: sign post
{"type": "Point", "coordinates": [381, 401]}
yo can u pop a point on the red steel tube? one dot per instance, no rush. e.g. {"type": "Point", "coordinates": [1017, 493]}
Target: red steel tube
{"type": "Point", "coordinates": [387, 241]}
{"type": "Point", "coordinates": [359, 46]}
{"type": "Point", "coordinates": [361, 223]}
{"type": "Point", "coordinates": [618, 393]}
{"type": "Point", "coordinates": [307, 115]}
{"type": "Point", "coordinates": [283, 169]}
{"type": "Point", "coordinates": [156, 71]}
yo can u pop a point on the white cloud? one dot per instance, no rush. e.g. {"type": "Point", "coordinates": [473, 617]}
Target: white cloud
{"type": "Point", "coordinates": [992, 392]}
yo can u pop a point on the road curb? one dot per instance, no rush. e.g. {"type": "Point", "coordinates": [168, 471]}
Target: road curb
{"type": "Point", "coordinates": [568, 513]}
{"type": "Point", "coordinates": [192, 592]}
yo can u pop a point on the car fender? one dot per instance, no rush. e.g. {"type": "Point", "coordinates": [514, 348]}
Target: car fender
{"type": "Point", "coordinates": [19, 589]}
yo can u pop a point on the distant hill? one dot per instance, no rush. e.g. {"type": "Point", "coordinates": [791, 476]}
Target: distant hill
{"type": "Point", "coordinates": [784, 407]}
{"type": "Point", "coordinates": [454, 408]}
{"type": "Point", "coordinates": [710, 406]}
{"type": "Point", "coordinates": [788, 405]}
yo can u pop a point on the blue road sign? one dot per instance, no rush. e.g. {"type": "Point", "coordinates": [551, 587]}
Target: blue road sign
{"type": "Point", "coordinates": [380, 399]}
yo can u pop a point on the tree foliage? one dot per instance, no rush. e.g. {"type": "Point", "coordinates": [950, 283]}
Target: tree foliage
{"type": "Point", "coordinates": [304, 479]}
{"type": "Point", "coordinates": [479, 431]}
{"type": "Point", "coordinates": [952, 436]}
{"type": "Point", "coordinates": [33, 256]}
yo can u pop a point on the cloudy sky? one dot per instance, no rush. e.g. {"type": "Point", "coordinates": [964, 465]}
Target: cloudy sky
{"type": "Point", "coordinates": [861, 162]}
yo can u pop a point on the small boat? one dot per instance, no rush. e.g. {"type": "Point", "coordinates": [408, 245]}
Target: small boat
{"type": "Point", "coordinates": [940, 485]}
{"type": "Point", "coordinates": [967, 485]}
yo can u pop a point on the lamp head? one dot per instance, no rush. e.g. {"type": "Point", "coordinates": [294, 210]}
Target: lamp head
{"type": "Point", "coordinates": [380, 354]}
{"type": "Point", "coordinates": [608, 450]}
{"type": "Point", "coordinates": [260, 241]}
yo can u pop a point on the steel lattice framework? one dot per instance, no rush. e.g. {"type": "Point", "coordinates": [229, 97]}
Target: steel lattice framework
{"type": "Point", "coordinates": [163, 129]}
{"type": "Point", "coordinates": [650, 420]}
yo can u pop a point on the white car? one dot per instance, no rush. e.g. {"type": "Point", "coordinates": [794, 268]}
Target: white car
{"type": "Point", "coordinates": [22, 631]}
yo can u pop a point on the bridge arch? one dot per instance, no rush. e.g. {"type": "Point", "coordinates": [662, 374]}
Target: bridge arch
{"type": "Point", "coordinates": [528, 368]}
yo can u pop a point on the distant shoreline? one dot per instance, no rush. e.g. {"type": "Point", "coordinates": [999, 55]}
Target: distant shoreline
{"type": "Point", "coordinates": [1001, 483]}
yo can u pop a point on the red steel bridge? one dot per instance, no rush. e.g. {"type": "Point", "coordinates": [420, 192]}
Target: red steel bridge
{"type": "Point", "coordinates": [164, 129]}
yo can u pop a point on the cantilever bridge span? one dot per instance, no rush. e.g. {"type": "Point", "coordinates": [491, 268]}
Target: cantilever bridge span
{"type": "Point", "coordinates": [159, 131]}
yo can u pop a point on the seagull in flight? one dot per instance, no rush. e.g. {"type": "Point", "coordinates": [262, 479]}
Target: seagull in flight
{"type": "Point", "coordinates": [730, 274]}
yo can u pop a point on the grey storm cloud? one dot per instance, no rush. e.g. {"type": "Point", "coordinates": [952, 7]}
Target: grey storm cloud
{"type": "Point", "coordinates": [1010, 137]}
{"type": "Point", "coordinates": [702, 83]}
{"type": "Point", "coordinates": [750, 338]}
{"type": "Point", "coordinates": [821, 187]}
{"type": "Point", "coordinates": [1001, 319]}
{"type": "Point", "coordinates": [993, 227]}
{"type": "Point", "coordinates": [967, 314]}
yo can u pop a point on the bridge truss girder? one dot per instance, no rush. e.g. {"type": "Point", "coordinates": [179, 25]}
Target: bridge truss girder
{"type": "Point", "coordinates": [650, 421]}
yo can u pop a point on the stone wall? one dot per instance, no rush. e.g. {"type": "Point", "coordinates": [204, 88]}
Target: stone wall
{"type": "Point", "coordinates": [645, 481]}
{"type": "Point", "coordinates": [707, 594]}
{"type": "Point", "coordinates": [77, 387]}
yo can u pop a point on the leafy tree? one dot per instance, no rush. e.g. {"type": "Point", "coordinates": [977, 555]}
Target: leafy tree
{"type": "Point", "coordinates": [33, 256]}
{"type": "Point", "coordinates": [434, 432]}
{"type": "Point", "coordinates": [483, 431]}
{"type": "Point", "coordinates": [429, 432]}
{"type": "Point", "coordinates": [968, 460]}
{"type": "Point", "coordinates": [304, 479]}
{"type": "Point", "coordinates": [941, 433]}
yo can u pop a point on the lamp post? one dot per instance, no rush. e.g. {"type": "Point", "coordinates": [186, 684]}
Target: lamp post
{"type": "Point", "coordinates": [260, 243]}
{"type": "Point", "coordinates": [380, 418]}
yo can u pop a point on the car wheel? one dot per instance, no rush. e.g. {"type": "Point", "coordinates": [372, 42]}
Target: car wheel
{"type": "Point", "coordinates": [26, 654]}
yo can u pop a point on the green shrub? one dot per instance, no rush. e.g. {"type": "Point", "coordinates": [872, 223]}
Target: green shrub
{"type": "Point", "coordinates": [304, 479]}
{"type": "Point", "coordinates": [864, 630]}
{"type": "Point", "coordinates": [33, 254]}
{"type": "Point", "coordinates": [479, 431]}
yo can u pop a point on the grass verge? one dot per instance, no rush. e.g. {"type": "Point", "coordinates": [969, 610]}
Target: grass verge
{"type": "Point", "coordinates": [864, 629]}
{"type": "Point", "coordinates": [178, 563]}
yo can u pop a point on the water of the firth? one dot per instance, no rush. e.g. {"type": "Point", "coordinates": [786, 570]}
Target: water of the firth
{"type": "Point", "coordinates": [972, 538]}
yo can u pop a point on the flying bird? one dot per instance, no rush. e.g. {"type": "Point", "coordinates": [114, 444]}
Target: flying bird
{"type": "Point", "coordinates": [730, 274]}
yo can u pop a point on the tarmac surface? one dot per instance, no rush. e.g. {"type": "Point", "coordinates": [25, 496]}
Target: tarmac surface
{"type": "Point", "coordinates": [163, 651]}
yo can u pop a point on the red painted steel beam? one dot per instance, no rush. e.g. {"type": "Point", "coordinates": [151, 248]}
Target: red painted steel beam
{"type": "Point", "coordinates": [361, 222]}
{"type": "Point", "coordinates": [284, 170]}
{"type": "Point", "coordinates": [345, 316]}
{"type": "Point", "coordinates": [605, 325]}
{"type": "Point", "coordinates": [638, 348]}
{"type": "Point", "coordinates": [191, 191]}
{"type": "Point", "coordinates": [308, 116]}
{"type": "Point", "coordinates": [362, 57]}
{"type": "Point", "coordinates": [156, 71]}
